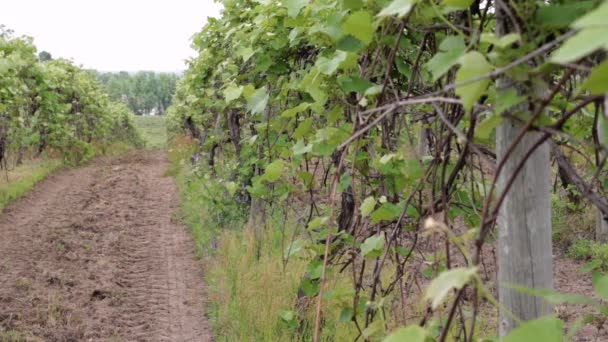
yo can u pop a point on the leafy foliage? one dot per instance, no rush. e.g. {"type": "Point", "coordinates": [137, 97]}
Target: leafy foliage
{"type": "Point", "coordinates": [311, 108]}
{"type": "Point", "coordinates": [143, 91]}
{"type": "Point", "coordinates": [53, 106]}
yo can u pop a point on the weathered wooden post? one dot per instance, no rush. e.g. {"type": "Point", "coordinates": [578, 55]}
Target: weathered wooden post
{"type": "Point", "coordinates": [525, 256]}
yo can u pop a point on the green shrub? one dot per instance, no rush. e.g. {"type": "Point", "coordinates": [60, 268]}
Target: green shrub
{"type": "Point", "coordinates": [588, 250]}
{"type": "Point", "coordinates": [571, 222]}
{"type": "Point", "coordinates": [581, 249]}
{"type": "Point", "coordinates": [599, 254]}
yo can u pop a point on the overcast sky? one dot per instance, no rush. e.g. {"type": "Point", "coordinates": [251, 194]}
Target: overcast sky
{"type": "Point", "coordinates": [112, 35]}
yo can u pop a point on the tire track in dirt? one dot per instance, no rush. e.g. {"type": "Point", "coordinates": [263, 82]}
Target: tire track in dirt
{"type": "Point", "coordinates": [94, 254]}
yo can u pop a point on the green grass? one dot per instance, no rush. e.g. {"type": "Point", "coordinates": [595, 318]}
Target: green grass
{"type": "Point", "coordinates": [16, 182]}
{"type": "Point", "coordinates": [581, 249]}
{"type": "Point", "coordinates": [248, 297]}
{"type": "Point", "coordinates": [594, 252]}
{"type": "Point", "coordinates": [153, 131]}
{"type": "Point", "coordinates": [12, 336]}
{"type": "Point", "coordinates": [245, 294]}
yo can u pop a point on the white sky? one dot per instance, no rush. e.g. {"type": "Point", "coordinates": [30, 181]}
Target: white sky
{"type": "Point", "coordinates": [112, 35]}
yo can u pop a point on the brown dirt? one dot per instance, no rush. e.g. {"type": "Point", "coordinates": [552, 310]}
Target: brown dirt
{"type": "Point", "coordinates": [568, 279]}
{"type": "Point", "coordinates": [95, 254]}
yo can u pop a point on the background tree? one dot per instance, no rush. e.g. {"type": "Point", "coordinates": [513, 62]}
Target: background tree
{"type": "Point", "coordinates": [45, 56]}
{"type": "Point", "coordinates": [144, 92]}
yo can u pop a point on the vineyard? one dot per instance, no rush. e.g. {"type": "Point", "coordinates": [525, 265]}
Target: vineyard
{"type": "Point", "coordinates": [347, 170]}
{"type": "Point", "coordinates": [404, 170]}
{"type": "Point", "coordinates": [53, 107]}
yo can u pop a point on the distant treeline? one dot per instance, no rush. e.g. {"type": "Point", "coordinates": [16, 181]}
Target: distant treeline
{"type": "Point", "coordinates": [145, 92]}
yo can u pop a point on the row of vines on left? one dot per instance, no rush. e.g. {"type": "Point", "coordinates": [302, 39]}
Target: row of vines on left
{"type": "Point", "coordinates": [54, 107]}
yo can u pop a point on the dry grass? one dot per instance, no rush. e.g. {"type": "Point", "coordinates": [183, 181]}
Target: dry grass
{"type": "Point", "coordinates": [248, 294]}
{"type": "Point", "coordinates": [17, 181]}
{"type": "Point", "coordinates": [153, 131]}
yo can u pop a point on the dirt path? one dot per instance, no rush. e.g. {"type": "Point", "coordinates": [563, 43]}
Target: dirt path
{"type": "Point", "coordinates": [94, 254]}
{"type": "Point", "coordinates": [567, 275]}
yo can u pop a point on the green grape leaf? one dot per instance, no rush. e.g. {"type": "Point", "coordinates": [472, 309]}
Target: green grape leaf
{"type": "Point", "coordinates": [340, 293]}
{"type": "Point", "coordinates": [245, 53]}
{"type": "Point", "coordinates": [367, 206]}
{"type": "Point", "coordinates": [595, 18]}
{"type": "Point", "coordinates": [304, 129]}
{"type": "Point", "coordinates": [330, 27]}
{"type": "Point", "coordinates": [263, 62]}
{"type": "Point", "coordinates": [248, 90]}
{"type": "Point", "coordinates": [373, 246]}
{"type": "Point", "coordinates": [462, 4]}
{"type": "Point", "coordinates": [373, 90]}
{"type": "Point", "coordinates": [318, 222]}
{"type": "Point", "coordinates": [374, 330]}
{"type": "Point", "coordinates": [299, 148]}
{"type": "Point", "coordinates": [5, 65]}
{"type": "Point", "coordinates": [231, 187]}
{"type": "Point", "coordinates": [232, 92]}
{"type": "Point", "coordinates": [404, 68]}
{"type": "Point", "coordinates": [500, 42]}
{"type": "Point", "coordinates": [328, 66]}
{"type": "Point", "coordinates": [472, 66]}
{"type": "Point", "coordinates": [553, 296]}
{"type": "Point", "coordinates": [295, 248]}
{"type": "Point", "coordinates": [349, 43]}
{"type": "Point", "coordinates": [506, 100]}
{"type": "Point", "coordinates": [600, 284]}
{"type": "Point", "coordinates": [360, 26]}
{"type": "Point", "coordinates": [294, 7]}
{"type": "Point", "coordinates": [345, 181]}
{"type": "Point", "coordinates": [597, 82]}
{"type": "Point", "coordinates": [310, 287]}
{"type": "Point", "coordinates": [287, 315]}
{"type": "Point", "coordinates": [352, 4]}
{"type": "Point", "coordinates": [387, 212]}
{"type": "Point", "coordinates": [273, 171]}
{"type": "Point", "coordinates": [354, 84]}
{"type": "Point", "coordinates": [312, 83]}
{"type": "Point", "coordinates": [546, 329]}
{"type": "Point", "coordinates": [398, 7]}
{"type": "Point", "coordinates": [290, 113]}
{"type": "Point", "coordinates": [487, 126]}
{"type": "Point", "coordinates": [346, 315]}
{"type": "Point", "coordinates": [307, 179]}
{"type": "Point", "coordinates": [451, 50]}
{"type": "Point", "coordinates": [413, 333]}
{"type": "Point", "coordinates": [257, 101]}
{"type": "Point", "coordinates": [556, 16]}
{"type": "Point", "coordinates": [448, 280]}
{"type": "Point", "coordinates": [583, 43]}
{"type": "Point", "coordinates": [315, 269]}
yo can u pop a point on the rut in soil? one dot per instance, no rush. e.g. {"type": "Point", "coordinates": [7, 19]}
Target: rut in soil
{"type": "Point", "coordinates": [96, 254]}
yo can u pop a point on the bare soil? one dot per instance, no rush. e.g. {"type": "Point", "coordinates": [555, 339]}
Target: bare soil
{"type": "Point", "coordinates": [568, 279]}
{"type": "Point", "coordinates": [96, 254]}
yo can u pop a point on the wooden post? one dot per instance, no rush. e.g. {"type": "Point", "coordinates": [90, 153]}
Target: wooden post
{"type": "Point", "coordinates": [601, 228]}
{"type": "Point", "coordinates": [525, 256]}
{"type": "Point", "coordinates": [424, 148]}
